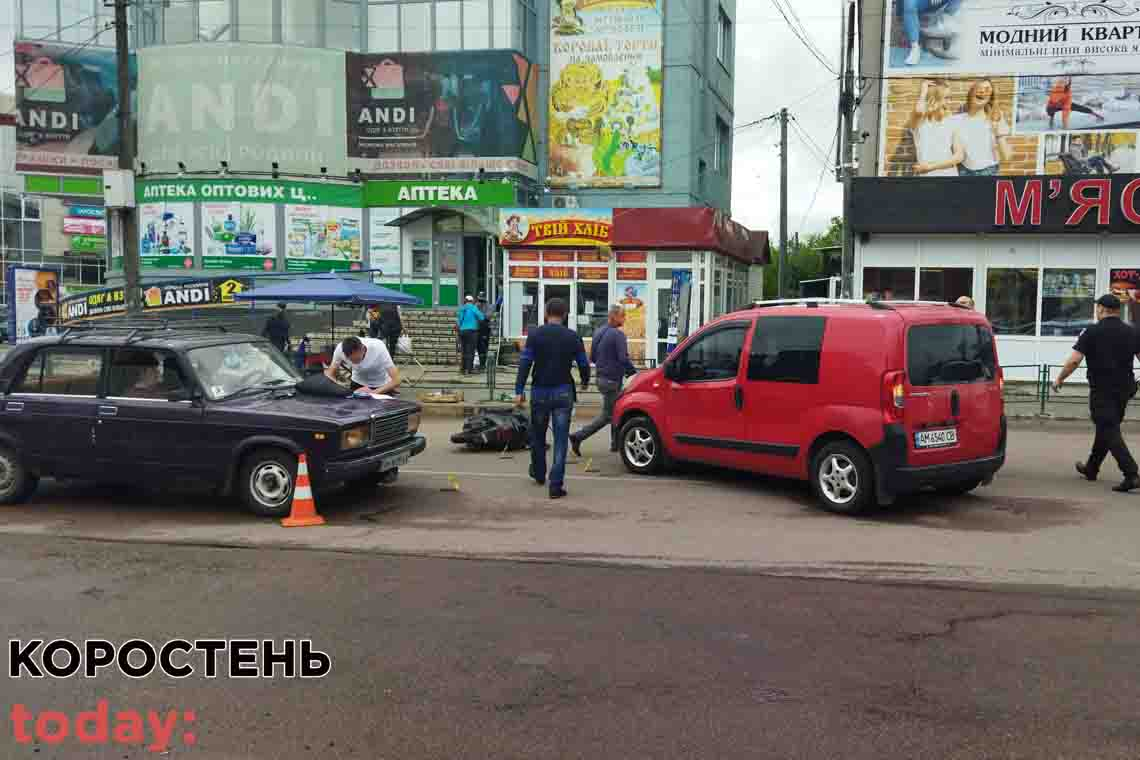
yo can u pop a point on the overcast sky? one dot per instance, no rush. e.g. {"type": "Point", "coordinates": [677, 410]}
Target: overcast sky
{"type": "Point", "coordinates": [774, 69]}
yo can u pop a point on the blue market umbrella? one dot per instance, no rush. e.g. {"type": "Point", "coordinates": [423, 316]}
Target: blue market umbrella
{"type": "Point", "coordinates": [330, 288]}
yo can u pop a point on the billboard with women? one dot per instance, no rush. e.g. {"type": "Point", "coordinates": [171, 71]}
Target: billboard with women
{"type": "Point", "coordinates": [992, 87]}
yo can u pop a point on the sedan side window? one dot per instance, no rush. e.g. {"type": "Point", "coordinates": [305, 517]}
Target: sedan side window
{"type": "Point", "coordinates": [138, 373]}
{"type": "Point", "coordinates": [715, 356]}
{"type": "Point", "coordinates": [63, 372]}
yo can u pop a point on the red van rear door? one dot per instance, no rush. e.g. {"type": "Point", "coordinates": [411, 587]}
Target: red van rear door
{"type": "Point", "coordinates": [953, 396]}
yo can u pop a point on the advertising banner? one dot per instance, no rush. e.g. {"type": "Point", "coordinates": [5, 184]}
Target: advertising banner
{"type": "Point", "coordinates": [1002, 36]}
{"type": "Point", "coordinates": [166, 235]}
{"type": "Point", "coordinates": [173, 294]}
{"type": "Point", "coordinates": [88, 243]}
{"type": "Point", "coordinates": [1125, 284]}
{"type": "Point", "coordinates": [73, 225]}
{"type": "Point", "coordinates": [395, 193]}
{"type": "Point", "coordinates": [383, 243]}
{"type": "Point", "coordinates": [678, 325]}
{"type": "Point", "coordinates": [33, 302]}
{"type": "Point", "coordinates": [248, 191]}
{"type": "Point", "coordinates": [322, 238]}
{"type": "Point", "coordinates": [632, 299]}
{"type": "Point", "coordinates": [441, 112]}
{"type": "Point", "coordinates": [239, 236]}
{"type": "Point", "coordinates": [605, 95]}
{"type": "Point", "coordinates": [66, 108]}
{"type": "Point", "coordinates": [555, 226]}
{"type": "Point", "coordinates": [247, 104]}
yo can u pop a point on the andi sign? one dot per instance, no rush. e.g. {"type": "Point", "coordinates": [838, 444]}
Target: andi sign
{"type": "Point", "coordinates": [395, 193]}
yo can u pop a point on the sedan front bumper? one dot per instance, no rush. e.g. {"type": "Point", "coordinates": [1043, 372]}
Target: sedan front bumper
{"type": "Point", "coordinates": [372, 462]}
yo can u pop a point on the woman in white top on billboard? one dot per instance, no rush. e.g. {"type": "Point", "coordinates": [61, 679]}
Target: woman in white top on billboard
{"type": "Point", "coordinates": [982, 131]}
{"type": "Point", "coordinates": [937, 148]}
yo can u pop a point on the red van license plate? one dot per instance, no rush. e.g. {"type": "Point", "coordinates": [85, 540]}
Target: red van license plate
{"type": "Point", "coordinates": [935, 439]}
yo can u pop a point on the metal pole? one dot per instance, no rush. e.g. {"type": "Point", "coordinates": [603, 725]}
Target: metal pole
{"type": "Point", "coordinates": [783, 202]}
{"type": "Point", "coordinates": [848, 101]}
{"type": "Point", "coordinates": [128, 225]}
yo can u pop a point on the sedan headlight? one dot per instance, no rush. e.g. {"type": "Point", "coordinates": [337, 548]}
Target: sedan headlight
{"type": "Point", "coordinates": [414, 422]}
{"type": "Point", "coordinates": [355, 438]}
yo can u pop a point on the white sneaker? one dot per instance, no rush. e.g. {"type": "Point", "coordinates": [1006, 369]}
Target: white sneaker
{"type": "Point", "coordinates": [915, 55]}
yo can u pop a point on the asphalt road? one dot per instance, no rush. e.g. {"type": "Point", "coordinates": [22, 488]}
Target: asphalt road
{"type": "Point", "coordinates": [436, 658]}
{"type": "Point", "coordinates": [1037, 524]}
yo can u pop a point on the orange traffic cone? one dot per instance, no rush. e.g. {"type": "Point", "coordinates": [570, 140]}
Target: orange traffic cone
{"type": "Point", "coordinates": [304, 511]}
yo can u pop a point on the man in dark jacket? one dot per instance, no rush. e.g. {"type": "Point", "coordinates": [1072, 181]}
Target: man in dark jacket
{"type": "Point", "coordinates": [388, 327]}
{"type": "Point", "coordinates": [551, 350]}
{"type": "Point", "coordinates": [1108, 347]}
{"type": "Point", "coordinates": [277, 329]}
{"type": "Point", "coordinates": [483, 341]}
{"type": "Point", "coordinates": [609, 352]}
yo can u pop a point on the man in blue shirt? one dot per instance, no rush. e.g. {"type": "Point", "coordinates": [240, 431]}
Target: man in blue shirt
{"type": "Point", "coordinates": [609, 352]}
{"type": "Point", "coordinates": [467, 319]}
{"type": "Point", "coordinates": [550, 350]}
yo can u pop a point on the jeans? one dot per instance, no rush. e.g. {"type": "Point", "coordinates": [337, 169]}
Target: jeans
{"type": "Point", "coordinates": [546, 411]}
{"type": "Point", "coordinates": [482, 345]}
{"type": "Point", "coordinates": [609, 390]}
{"type": "Point", "coordinates": [467, 339]}
{"type": "Point", "coordinates": [989, 171]}
{"type": "Point", "coordinates": [1107, 410]}
{"type": "Point", "coordinates": [911, 9]}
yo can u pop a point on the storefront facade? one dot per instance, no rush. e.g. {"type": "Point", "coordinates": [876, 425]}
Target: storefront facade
{"type": "Point", "coordinates": [1001, 164]}
{"type": "Point", "coordinates": [672, 271]}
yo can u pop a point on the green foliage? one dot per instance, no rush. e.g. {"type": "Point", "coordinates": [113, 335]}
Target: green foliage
{"type": "Point", "coordinates": [804, 262]}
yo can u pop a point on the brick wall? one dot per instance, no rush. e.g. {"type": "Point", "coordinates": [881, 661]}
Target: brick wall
{"type": "Point", "coordinates": [902, 94]}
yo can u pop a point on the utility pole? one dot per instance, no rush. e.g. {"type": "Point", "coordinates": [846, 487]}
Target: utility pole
{"type": "Point", "coordinates": [847, 104]}
{"type": "Point", "coordinates": [128, 224]}
{"type": "Point", "coordinates": [783, 202]}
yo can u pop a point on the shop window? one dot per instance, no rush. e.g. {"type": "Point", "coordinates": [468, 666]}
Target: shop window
{"type": "Point", "coordinates": [214, 20]}
{"type": "Point", "coordinates": [504, 34]}
{"type": "Point", "coordinates": [415, 27]}
{"type": "Point", "coordinates": [1067, 297]}
{"type": "Point", "coordinates": [476, 24]}
{"type": "Point", "coordinates": [255, 22]}
{"type": "Point", "coordinates": [529, 306]}
{"type": "Point", "coordinates": [888, 284]}
{"type": "Point", "coordinates": [448, 26]}
{"type": "Point", "coordinates": [1011, 301]}
{"type": "Point", "coordinates": [945, 284]}
{"type": "Point", "coordinates": [178, 23]}
{"type": "Point", "coordinates": [342, 24]}
{"type": "Point", "coordinates": [786, 350]}
{"type": "Point", "coordinates": [39, 20]}
{"type": "Point", "coordinates": [593, 307]}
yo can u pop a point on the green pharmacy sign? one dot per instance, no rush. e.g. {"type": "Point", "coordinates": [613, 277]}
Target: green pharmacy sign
{"type": "Point", "coordinates": [224, 190]}
{"type": "Point", "coordinates": [388, 193]}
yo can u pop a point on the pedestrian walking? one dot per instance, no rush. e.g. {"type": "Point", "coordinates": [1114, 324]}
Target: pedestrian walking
{"type": "Point", "coordinates": [467, 319]}
{"type": "Point", "coordinates": [609, 353]}
{"type": "Point", "coordinates": [550, 350]}
{"type": "Point", "coordinates": [483, 340]}
{"type": "Point", "coordinates": [1108, 347]}
{"type": "Point", "coordinates": [277, 329]}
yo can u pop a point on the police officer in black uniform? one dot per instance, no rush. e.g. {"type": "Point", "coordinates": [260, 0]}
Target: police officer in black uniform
{"type": "Point", "coordinates": [1108, 346]}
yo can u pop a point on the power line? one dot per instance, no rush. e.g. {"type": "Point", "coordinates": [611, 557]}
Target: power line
{"type": "Point", "coordinates": [819, 181]}
{"type": "Point", "coordinates": [800, 37]}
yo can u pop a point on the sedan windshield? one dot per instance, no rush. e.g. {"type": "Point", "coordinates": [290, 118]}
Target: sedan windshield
{"type": "Point", "coordinates": [236, 367]}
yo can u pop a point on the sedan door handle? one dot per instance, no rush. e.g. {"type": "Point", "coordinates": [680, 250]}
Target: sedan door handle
{"type": "Point", "coordinates": [14, 406]}
{"type": "Point", "coordinates": [108, 411]}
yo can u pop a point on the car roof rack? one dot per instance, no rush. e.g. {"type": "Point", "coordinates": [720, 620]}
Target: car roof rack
{"type": "Point", "coordinates": [813, 303]}
{"type": "Point", "coordinates": [134, 332]}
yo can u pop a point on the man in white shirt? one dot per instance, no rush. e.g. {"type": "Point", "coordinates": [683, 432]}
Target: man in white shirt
{"type": "Point", "coordinates": [372, 365]}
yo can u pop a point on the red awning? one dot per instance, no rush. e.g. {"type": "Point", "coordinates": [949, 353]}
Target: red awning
{"type": "Point", "coordinates": [696, 229]}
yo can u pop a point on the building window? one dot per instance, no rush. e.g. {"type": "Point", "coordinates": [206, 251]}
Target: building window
{"type": "Point", "coordinates": [888, 284]}
{"type": "Point", "coordinates": [724, 39]}
{"type": "Point", "coordinates": [723, 146]}
{"type": "Point", "coordinates": [214, 20]}
{"type": "Point", "coordinates": [39, 20]}
{"type": "Point", "coordinates": [383, 27]}
{"type": "Point", "coordinates": [300, 22]}
{"type": "Point", "coordinates": [178, 24]}
{"type": "Point", "coordinates": [945, 284]}
{"type": "Point", "coordinates": [449, 25]}
{"type": "Point", "coordinates": [255, 21]}
{"type": "Point", "coordinates": [505, 14]}
{"type": "Point", "coordinates": [702, 170]}
{"type": "Point", "coordinates": [1067, 301]}
{"type": "Point", "coordinates": [342, 24]}
{"type": "Point", "coordinates": [593, 307]}
{"type": "Point", "coordinates": [476, 24]}
{"type": "Point", "coordinates": [415, 27]}
{"type": "Point", "coordinates": [1011, 301]}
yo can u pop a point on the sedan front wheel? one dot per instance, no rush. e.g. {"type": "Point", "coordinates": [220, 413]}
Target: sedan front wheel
{"type": "Point", "coordinates": [266, 482]}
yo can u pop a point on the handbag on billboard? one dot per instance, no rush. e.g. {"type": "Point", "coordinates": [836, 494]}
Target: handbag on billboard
{"type": "Point", "coordinates": [44, 81]}
{"type": "Point", "coordinates": [386, 80]}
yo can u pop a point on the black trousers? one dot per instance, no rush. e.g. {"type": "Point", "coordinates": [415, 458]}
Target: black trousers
{"type": "Point", "coordinates": [390, 340]}
{"type": "Point", "coordinates": [1107, 409]}
{"type": "Point", "coordinates": [467, 339]}
{"type": "Point", "coordinates": [482, 345]}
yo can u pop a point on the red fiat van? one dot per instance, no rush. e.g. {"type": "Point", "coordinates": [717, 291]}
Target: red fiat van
{"type": "Point", "coordinates": [866, 401]}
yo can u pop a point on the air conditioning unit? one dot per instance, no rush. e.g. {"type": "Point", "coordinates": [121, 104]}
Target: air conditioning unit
{"type": "Point", "coordinates": [565, 201]}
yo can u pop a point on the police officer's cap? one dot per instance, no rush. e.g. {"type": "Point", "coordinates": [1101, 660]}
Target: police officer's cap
{"type": "Point", "coordinates": [1109, 301]}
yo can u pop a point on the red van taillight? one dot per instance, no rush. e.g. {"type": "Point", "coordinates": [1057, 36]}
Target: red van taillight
{"type": "Point", "coordinates": [894, 398]}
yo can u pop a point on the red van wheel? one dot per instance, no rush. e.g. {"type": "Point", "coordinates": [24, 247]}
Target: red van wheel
{"type": "Point", "coordinates": [842, 478]}
{"type": "Point", "coordinates": [640, 447]}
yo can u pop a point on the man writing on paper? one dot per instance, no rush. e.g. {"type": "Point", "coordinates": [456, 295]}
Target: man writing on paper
{"type": "Point", "coordinates": [372, 367]}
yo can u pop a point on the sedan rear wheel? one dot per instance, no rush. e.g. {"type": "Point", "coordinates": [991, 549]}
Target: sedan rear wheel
{"type": "Point", "coordinates": [16, 483]}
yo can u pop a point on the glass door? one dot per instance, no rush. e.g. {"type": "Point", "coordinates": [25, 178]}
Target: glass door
{"type": "Point", "coordinates": [551, 290]}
